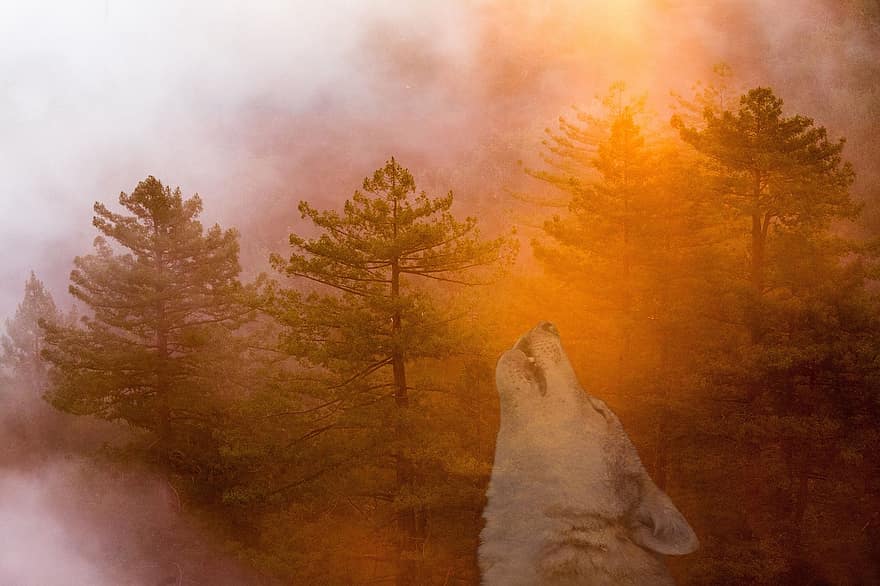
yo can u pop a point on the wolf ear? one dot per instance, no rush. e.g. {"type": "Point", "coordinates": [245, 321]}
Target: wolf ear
{"type": "Point", "coordinates": [659, 526]}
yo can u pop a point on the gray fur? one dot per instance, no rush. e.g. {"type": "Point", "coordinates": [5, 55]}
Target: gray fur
{"type": "Point", "coordinates": [569, 501]}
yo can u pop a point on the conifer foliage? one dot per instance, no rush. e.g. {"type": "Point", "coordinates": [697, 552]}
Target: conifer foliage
{"type": "Point", "coordinates": [371, 319]}
{"type": "Point", "coordinates": [160, 292]}
{"type": "Point", "coordinates": [782, 173]}
{"type": "Point", "coordinates": [22, 344]}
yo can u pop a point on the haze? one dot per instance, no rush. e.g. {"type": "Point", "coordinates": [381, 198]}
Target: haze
{"type": "Point", "coordinates": [258, 105]}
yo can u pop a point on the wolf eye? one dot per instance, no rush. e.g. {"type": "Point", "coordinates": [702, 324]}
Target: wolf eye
{"type": "Point", "coordinates": [602, 408]}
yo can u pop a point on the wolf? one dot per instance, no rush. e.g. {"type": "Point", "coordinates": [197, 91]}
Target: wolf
{"type": "Point", "coordinates": [569, 501]}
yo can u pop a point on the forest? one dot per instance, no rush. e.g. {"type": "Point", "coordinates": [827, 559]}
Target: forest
{"type": "Point", "coordinates": [260, 263]}
{"type": "Point", "coordinates": [334, 417]}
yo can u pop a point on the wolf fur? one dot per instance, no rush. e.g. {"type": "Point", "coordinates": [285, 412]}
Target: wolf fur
{"type": "Point", "coordinates": [569, 501]}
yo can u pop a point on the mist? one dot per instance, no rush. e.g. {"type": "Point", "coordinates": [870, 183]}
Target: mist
{"type": "Point", "coordinates": [258, 105]}
{"type": "Point", "coordinates": [72, 514]}
{"type": "Point", "coordinates": [75, 522]}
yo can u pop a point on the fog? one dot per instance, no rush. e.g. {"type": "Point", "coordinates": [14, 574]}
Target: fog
{"type": "Point", "coordinates": [258, 105]}
{"type": "Point", "coordinates": [70, 513]}
{"type": "Point", "coordinates": [74, 522]}
{"type": "Point", "coordinates": [39, 535]}
{"type": "Point", "coordinates": [100, 94]}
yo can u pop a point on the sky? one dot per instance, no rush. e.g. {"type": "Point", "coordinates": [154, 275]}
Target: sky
{"type": "Point", "coordinates": [98, 94]}
{"type": "Point", "coordinates": [256, 105]}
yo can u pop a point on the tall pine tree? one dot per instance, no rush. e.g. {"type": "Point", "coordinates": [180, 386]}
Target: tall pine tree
{"type": "Point", "coordinates": [370, 321]}
{"type": "Point", "coordinates": [781, 173]}
{"type": "Point", "coordinates": [627, 253]}
{"type": "Point", "coordinates": [794, 388]}
{"type": "Point", "coordinates": [161, 298]}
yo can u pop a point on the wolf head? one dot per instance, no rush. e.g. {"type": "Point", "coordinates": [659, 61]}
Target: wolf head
{"type": "Point", "coordinates": [568, 480]}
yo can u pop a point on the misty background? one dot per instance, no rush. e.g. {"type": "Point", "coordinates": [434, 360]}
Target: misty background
{"type": "Point", "coordinates": [258, 105]}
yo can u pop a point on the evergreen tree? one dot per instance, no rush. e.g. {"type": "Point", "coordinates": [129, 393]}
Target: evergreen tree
{"type": "Point", "coordinates": [370, 322]}
{"type": "Point", "coordinates": [795, 387]}
{"type": "Point", "coordinates": [22, 344]}
{"type": "Point", "coordinates": [161, 299]}
{"type": "Point", "coordinates": [604, 166]}
{"type": "Point", "coordinates": [762, 372]}
{"type": "Point", "coordinates": [782, 174]}
{"type": "Point", "coordinates": [631, 253]}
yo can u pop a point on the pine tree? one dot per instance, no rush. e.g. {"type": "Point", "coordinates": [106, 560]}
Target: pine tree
{"type": "Point", "coordinates": [370, 322]}
{"type": "Point", "coordinates": [630, 253]}
{"type": "Point", "coordinates": [604, 166]}
{"type": "Point", "coordinates": [795, 388]}
{"type": "Point", "coordinates": [22, 344]}
{"type": "Point", "coordinates": [161, 299]}
{"type": "Point", "coordinates": [782, 174]}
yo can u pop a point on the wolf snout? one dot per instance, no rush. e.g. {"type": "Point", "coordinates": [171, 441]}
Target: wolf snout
{"type": "Point", "coordinates": [524, 344]}
{"type": "Point", "coordinates": [547, 327]}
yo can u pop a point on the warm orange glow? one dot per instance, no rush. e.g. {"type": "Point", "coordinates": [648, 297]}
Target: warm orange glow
{"type": "Point", "coordinates": [326, 440]}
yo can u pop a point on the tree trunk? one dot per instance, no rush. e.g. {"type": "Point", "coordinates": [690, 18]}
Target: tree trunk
{"type": "Point", "coordinates": [407, 517]}
{"type": "Point", "coordinates": [756, 267]}
{"type": "Point", "coordinates": [163, 427]}
{"type": "Point", "coordinates": [162, 387]}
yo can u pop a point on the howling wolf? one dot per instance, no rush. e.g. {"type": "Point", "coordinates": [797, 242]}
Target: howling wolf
{"type": "Point", "coordinates": [569, 501]}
